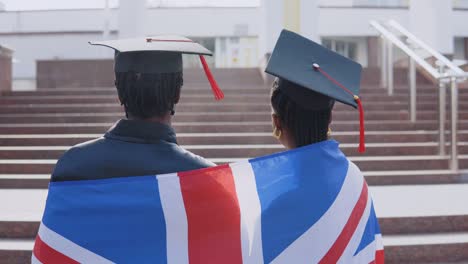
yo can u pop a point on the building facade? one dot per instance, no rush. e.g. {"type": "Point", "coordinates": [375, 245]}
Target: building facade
{"type": "Point", "coordinates": [239, 36]}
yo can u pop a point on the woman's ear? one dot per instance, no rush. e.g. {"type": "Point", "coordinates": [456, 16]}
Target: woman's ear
{"type": "Point", "coordinates": [276, 121]}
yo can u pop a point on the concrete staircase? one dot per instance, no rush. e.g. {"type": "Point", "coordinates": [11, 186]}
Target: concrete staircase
{"type": "Point", "coordinates": [423, 207]}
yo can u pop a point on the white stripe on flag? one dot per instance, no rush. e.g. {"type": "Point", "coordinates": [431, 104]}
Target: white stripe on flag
{"type": "Point", "coordinates": [367, 255]}
{"type": "Point", "coordinates": [347, 256]}
{"type": "Point", "coordinates": [379, 242]}
{"type": "Point", "coordinates": [312, 246]}
{"type": "Point", "coordinates": [249, 203]}
{"type": "Point", "coordinates": [68, 248]}
{"type": "Point", "coordinates": [34, 260]}
{"type": "Point", "coordinates": [175, 217]}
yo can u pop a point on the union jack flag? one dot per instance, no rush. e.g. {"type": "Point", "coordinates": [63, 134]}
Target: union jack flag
{"type": "Point", "coordinates": [309, 205]}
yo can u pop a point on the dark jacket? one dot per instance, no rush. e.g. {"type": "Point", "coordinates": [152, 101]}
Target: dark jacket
{"type": "Point", "coordinates": [129, 148]}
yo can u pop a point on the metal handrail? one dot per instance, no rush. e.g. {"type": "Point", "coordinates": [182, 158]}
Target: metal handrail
{"type": "Point", "coordinates": [441, 74]}
{"type": "Point", "coordinates": [458, 76]}
{"type": "Point", "coordinates": [405, 48]}
{"type": "Point", "coordinates": [446, 62]}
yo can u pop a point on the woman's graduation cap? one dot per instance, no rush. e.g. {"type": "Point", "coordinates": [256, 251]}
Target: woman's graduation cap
{"type": "Point", "coordinates": [160, 54]}
{"type": "Point", "coordinates": [318, 70]}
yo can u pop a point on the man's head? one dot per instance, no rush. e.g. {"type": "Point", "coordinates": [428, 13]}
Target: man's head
{"type": "Point", "coordinates": [148, 73]}
{"type": "Point", "coordinates": [148, 95]}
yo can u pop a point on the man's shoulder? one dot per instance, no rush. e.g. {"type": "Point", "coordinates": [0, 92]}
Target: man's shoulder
{"type": "Point", "coordinates": [104, 158]}
{"type": "Point", "coordinates": [84, 148]}
{"type": "Point", "coordinates": [191, 160]}
{"type": "Point", "coordinates": [75, 157]}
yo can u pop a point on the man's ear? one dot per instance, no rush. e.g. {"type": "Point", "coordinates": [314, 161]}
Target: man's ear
{"type": "Point", "coordinates": [177, 98]}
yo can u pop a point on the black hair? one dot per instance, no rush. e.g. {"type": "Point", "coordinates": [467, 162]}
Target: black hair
{"type": "Point", "coordinates": [306, 126]}
{"type": "Point", "coordinates": [148, 95]}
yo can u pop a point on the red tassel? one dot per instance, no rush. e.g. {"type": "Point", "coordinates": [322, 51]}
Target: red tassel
{"type": "Point", "coordinates": [362, 140]}
{"type": "Point", "coordinates": [218, 93]}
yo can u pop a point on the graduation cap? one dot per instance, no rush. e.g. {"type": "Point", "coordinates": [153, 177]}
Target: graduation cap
{"type": "Point", "coordinates": [321, 75]}
{"type": "Point", "coordinates": [160, 54]}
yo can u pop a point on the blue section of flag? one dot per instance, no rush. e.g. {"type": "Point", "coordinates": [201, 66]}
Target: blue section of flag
{"type": "Point", "coordinates": [295, 190]}
{"type": "Point", "coordinates": [123, 217]}
{"type": "Point", "coordinates": [372, 229]}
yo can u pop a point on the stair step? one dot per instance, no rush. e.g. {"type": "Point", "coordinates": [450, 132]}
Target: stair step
{"type": "Point", "coordinates": [374, 178]}
{"type": "Point", "coordinates": [400, 115]}
{"type": "Point", "coordinates": [251, 150]}
{"type": "Point", "coordinates": [426, 248]}
{"type": "Point", "coordinates": [20, 251]}
{"type": "Point", "coordinates": [366, 163]}
{"type": "Point", "coordinates": [390, 202]}
{"type": "Point", "coordinates": [215, 127]}
{"type": "Point", "coordinates": [261, 97]}
{"type": "Point", "coordinates": [203, 107]}
{"type": "Point", "coordinates": [231, 138]}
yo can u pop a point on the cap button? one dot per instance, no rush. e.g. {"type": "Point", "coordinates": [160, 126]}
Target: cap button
{"type": "Point", "coordinates": [316, 66]}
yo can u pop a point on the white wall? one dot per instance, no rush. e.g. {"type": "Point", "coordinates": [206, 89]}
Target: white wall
{"type": "Point", "coordinates": [355, 21]}
{"type": "Point", "coordinates": [132, 18]}
{"type": "Point", "coordinates": [431, 21]}
{"type": "Point", "coordinates": [341, 3]}
{"type": "Point", "coordinates": [29, 48]}
{"type": "Point", "coordinates": [309, 24]}
{"type": "Point", "coordinates": [37, 35]}
{"type": "Point", "coordinates": [272, 16]}
{"type": "Point", "coordinates": [55, 21]}
{"type": "Point", "coordinates": [459, 20]}
{"type": "Point", "coordinates": [203, 22]}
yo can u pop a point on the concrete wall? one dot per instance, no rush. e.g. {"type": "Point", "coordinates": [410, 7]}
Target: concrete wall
{"type": "Point", "coordinates": [5, 70]}
{"type": "Point", "coordinates": [75, 73]}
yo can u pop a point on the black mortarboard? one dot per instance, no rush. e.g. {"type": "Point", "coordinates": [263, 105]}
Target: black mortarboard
{"type": "Point", "coordinates": [321, 75]}
{"type": "Point", "coordinates": [160, 54]}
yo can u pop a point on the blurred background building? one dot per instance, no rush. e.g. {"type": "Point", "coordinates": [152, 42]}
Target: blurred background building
{"type": "Point", "coordinates": [415, 99]}
{"type": "Point", "coordinates": [239, 34]}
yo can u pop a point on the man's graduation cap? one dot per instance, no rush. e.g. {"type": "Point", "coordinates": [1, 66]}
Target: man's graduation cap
{"type": "Point", "coordinates": [321, 75]}
{"type": "Point", "coordinates": [160, 54]}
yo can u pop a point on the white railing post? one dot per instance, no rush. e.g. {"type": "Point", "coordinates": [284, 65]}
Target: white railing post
{"type": "Point", "coordinates": [454, 122]}
{"type": "Point", "coordinates": [383, 62]}
{"type": "Point", "coordinates": [446, 73]}
{"type": "Point", "coordinates": [442, 113]}
{"type": "Point", "coordinates": [412, 85]}
{"type": "Point", "coordinates": [390, 68]}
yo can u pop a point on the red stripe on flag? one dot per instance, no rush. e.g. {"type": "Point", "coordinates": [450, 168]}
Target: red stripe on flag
{"type": "Point", "coordinates": [213, 216]}
{"type": "Point", "coordinates": [335, 252]}
{"type": "Point", "coordinates": [380, 257]}
{"type": "Point", "coordinates": [45, 254]}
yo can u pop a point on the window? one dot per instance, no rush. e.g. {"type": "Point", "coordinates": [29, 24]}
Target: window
{"type": "Point", "coordinates": [343, 47]}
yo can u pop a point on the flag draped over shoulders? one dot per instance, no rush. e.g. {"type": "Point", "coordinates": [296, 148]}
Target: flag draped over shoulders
{"type": "Point", "coordinates": [308, 205]}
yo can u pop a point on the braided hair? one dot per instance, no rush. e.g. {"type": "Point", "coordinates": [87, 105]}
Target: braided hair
{"type": "Point", "coordinates": [306, 126]}
{"type": "Point", "coordinates": [148, 95]}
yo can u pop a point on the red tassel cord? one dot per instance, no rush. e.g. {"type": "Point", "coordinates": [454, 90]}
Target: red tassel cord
{"type": "Point", "coordinates": [362, 138]}
{"type": "Point", "coordinates": [218, 93]}
{"type": "Point", "coordinates": [149, 40]}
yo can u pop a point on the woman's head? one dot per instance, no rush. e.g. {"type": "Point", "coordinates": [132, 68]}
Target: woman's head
{"type": "Point", "coordinates": [146, 96]}
{"type": "Point", "coordinates": [295, 125]}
